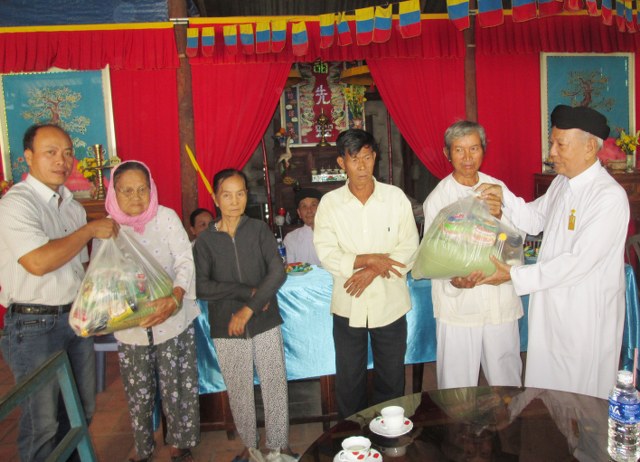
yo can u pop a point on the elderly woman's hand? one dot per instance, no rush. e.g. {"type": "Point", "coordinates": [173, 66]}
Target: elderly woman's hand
{"type": "Point", "coordinates": [164, 307]}
{"type": "Point", "coordinates": [239, 320]}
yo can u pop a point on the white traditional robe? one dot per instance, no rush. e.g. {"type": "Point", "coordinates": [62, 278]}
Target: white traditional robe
{"type": "Point", "coordinates": [577, 286]}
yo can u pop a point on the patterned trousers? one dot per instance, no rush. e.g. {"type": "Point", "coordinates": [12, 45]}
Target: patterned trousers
{"type": "Point", "coordinates": [237, 357]}
{"type": "Point", "coordinates": [172, 368]}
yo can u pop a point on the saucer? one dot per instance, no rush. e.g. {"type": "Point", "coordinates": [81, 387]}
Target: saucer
{"type": "Point", "coordinates": [377, 427]}
{"type": "Point", "coordinates": [374, 456]}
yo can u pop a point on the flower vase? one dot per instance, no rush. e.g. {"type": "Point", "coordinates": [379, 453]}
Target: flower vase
{"type": "Point", "coordinates": [630, 163]}
{"type": "Point", "coordinates": [357, 123]}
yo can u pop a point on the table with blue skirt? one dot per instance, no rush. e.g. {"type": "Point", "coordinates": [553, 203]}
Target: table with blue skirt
{"type": "Point", "coordinates": [307, 330]}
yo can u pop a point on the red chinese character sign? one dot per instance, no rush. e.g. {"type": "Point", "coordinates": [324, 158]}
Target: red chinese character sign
{"type": "Point", "coordinates": [320, 93]}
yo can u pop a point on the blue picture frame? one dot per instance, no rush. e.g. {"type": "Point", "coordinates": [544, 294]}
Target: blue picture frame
{"type": "Point", "coordinates": [603, 81]}
{"type": "Point", "coordinates": [79, 101]}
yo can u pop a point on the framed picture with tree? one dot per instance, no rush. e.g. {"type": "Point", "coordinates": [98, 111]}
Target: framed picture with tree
{"type": "Point", "coordinates": [78, 101]}
{"type": "Point", "coordinates": [602, 81]}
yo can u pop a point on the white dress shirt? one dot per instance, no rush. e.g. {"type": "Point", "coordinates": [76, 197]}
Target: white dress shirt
{"type": "Point", "coordinates": [299, 245]}
{"type": "Point", "coordinates": [345, 228]}
{"type": "Point", "coordinates": [31, 217]}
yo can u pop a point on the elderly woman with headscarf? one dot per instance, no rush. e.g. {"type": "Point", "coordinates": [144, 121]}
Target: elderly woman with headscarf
{"type": "Point", "coordinates": [161, 352]}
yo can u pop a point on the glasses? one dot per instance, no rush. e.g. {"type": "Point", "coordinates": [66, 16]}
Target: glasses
{"type": "Point", "coordinates": [130, 192]}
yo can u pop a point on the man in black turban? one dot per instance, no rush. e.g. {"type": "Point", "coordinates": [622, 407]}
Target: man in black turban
{"type": "Point", "coordinates": [577, 285]}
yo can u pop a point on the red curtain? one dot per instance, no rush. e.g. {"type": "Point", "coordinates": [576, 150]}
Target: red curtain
{"type": "Point", "coordinates": [144, 101]}
{"type": "Point", "coordinates": [232, 106]}
{"type": "Point", "coordinates": [126, 48]}
{"type": "Point", "coordinates": [145, 108]}
{"type": "Point", "coordinates": [423, 96]}
{"type": "Point", "coordinates": [509, 109]}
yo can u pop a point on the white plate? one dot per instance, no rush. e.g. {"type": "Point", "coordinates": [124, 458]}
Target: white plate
{"type": "Point", "coordinates": [377, 427]}
{"type": "Point", "coordinates": [374, 456]}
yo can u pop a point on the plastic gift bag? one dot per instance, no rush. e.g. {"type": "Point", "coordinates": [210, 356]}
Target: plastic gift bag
{"type": "Point", "coordinates": [120, 282]}
{"type": "Point", "coordinates": [461, 239]}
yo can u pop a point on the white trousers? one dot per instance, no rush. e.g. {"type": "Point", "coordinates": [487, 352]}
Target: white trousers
{"type": "Point", "coordinates": [462, 349]}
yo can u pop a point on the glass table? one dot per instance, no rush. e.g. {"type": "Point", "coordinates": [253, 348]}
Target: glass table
{"type": "Point", "coordinates": [482, 424]}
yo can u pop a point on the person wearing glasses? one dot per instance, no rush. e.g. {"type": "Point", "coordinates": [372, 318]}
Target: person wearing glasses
{"type": "Point", "coordinates": [161, 352]}
{"type": "Point", "coordinates": [43, 255]}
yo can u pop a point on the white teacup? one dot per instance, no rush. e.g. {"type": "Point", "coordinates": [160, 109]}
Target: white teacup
{"type": "Point", "coordinates": [355, 449]}
{"type": "Point", "coordinates": [392, 418]}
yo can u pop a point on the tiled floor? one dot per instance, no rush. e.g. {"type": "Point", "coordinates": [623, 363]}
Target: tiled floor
{"type": "Point", "coordinates": [111, 431]}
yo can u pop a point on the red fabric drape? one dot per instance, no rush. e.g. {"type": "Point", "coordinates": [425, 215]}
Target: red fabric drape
{"type": "Point", "coordinates": [424, 96]}
{"type": "Point", "coordinates": [125, 48]}
{"type": "Point", "coordinates": [439, 38]}
{"type": "Point", "coordinates": [145, 110]}
{"type": "Point", "coordinates": [509, 109]}
{"type": "Point", "coordinates": [562, 34]}
{"type": "Point", "coordinates": [232, 105]}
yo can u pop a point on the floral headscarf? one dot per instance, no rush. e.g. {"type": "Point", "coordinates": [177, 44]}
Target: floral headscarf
{"type": "Point", "coordinates": [113, 209]}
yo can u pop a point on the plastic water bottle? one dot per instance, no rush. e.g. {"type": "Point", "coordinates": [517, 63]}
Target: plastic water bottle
{"type": "Point", "coordinates": [282, 250]}
{"type": "Point", "coordinates": [624, 415]}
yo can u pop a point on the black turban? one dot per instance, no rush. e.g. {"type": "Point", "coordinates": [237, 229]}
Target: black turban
{"type": "Point", "coordinates": [305, 193]}
{"type": "Point", "coordinates": [586, 119]}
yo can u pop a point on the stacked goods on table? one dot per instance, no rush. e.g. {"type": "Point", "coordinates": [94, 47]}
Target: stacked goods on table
{"type": "Point", "coordinates": [297, 268]}
{"type": "Point", "coordinates": [461, 239]}
{"type": "Point", "coordinates": [116, 292]}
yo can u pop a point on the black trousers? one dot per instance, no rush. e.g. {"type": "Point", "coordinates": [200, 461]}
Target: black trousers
{"type": "Point", "coordinates": [388, 344]}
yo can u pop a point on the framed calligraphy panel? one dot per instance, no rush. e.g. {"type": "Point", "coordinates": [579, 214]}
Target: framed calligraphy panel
{"type": "Point", "coordinates": [320, 93]}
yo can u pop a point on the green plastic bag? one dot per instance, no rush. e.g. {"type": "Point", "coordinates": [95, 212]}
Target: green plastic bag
{"type": "Point", "coordinates": [461, 239]}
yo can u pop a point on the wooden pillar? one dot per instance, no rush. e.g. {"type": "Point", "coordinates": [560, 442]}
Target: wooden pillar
{"type": "Point", "coordinates": [188, 176]}
{"type": "Point", "coordinates": [470, 67]}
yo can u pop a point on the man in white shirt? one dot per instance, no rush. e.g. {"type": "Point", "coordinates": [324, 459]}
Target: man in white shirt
{"type": "Point", "coordinates": [366, 237]}
{"type": "Point", "coordinates": [299, 242]}
{"type": "Point", "coordinates": [476, 325]}
{"type": "Point", "coordinates": [43, 251]}
{"type": "Point", "coordinates": [577, 286]}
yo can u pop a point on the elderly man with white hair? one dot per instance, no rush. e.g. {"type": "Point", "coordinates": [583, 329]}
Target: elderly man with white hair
{"type": "Point", "coordinates": [577, 286]}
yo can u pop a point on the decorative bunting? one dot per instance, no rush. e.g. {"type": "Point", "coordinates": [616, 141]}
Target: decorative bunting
{"type": "Point", "coordinates": [278, 35]}
{"type": "Point", "coordinates": [523, 10]}
{"type": "Point", "coordinates": [592, 8]}
{"type": "Point", "coordinates": [549, 8]}
{"type": "Point", "coordinates": [364, 25]}
{"type": "Point", "coordinates": [263, 37]}
{"type": "Point", "coordinates": [382, 24]}
{"type": "Point", "coordinates": [208, 41]}
{"type": "Point", "coordinates": [410, 25]}
{"type": "Point", "coordinates": [628, 15]}
{"type": "Point", "coordinates": [327, 29]}
{"type": "Point", "coordinates": [572, 5]}
{"type": "Point", "coordinates": [192, 42]}
{"type": "Point", "coordinates": [247, 39]}
{"type": "Point", "coordinates": [344, 31]}
{"type": "Point", "coordinates": [490, 13]}
{"type": "Point", "coordinates": [230, 38]}
{"type": "Point", "coordinates": [620, 21]}
{"type": "Point", "coordinates": [458, 13]}
{"type": "Point", "coordinates": [607, 13]}
{"type": "Point", "coordinates": [299, 38]}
